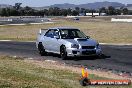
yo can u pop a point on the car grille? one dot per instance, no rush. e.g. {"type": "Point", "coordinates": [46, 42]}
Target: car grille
{"type": "Point", "coordinates": [88, 52]}
{"type": "Point", "coordinates": [88, 47]}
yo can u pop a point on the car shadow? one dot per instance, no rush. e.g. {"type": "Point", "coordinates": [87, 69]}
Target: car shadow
{"type": "Point", "coordinates": [103, 56]}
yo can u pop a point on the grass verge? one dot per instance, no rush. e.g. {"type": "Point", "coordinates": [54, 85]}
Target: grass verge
{"type": "Point", "coordinates": [16, 73]}
{"type": "Point", "coordinates": [107, 32]}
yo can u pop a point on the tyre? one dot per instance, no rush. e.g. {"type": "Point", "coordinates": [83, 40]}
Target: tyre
{"type": "Point", "coordinates": [63, 53]}
{"type": "Point", "coordinates": [41, 50]}
{"type": "Point", "coordinates": [100, 56]}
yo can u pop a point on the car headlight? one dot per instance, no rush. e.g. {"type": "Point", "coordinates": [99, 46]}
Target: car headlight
{"type": "Point", "coordinates": [74, 46]}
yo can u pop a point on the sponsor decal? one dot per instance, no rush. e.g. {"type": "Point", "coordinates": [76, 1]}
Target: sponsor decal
{"type": "Point", "coordinates": [85, 81]}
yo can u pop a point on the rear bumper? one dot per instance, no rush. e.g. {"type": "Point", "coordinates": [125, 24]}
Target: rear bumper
{"type": "Point", "coordinates": [83, 52]}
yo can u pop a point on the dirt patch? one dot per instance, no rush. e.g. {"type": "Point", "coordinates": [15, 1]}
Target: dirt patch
{"type": "Point", "coordinates": [49, 64]}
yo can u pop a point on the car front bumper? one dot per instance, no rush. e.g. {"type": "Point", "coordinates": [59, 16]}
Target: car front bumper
{"type": "Point", "coordinates": [83, 52]}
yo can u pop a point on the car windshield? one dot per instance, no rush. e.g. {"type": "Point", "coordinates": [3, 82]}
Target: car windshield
{"type": "Point", "coordinates": [71, 34]}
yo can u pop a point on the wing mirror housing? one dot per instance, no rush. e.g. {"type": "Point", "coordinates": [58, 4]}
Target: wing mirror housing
{"type": "Point", "coordinates": [88, 37]}
{"type": "Point", "coordinates": [57, 37]}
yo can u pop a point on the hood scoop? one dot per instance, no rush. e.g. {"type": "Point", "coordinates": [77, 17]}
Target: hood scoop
{"type": "Point", "coordinates": [81, 39]}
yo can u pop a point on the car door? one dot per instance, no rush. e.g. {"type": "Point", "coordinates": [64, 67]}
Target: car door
{"type": "Point", "coordinates": [47, 41]}
{"type": "Point", "coordinates": [55, 44]}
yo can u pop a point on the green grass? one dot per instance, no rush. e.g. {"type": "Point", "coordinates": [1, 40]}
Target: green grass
{"type": "Point", "coordinates": [16, 73]}
{"type": "Point", "coordinates": [102, 31]}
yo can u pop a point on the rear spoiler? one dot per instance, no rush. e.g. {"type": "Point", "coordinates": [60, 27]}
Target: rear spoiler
{"type": "Point", "coordinates": [41, 31]}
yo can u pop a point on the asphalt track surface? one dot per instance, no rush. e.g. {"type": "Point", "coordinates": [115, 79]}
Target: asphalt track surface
{"type": "Point", "coordinates": [116, 57]}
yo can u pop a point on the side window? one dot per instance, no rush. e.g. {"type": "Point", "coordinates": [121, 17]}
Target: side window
{"type": "Point", "coordinates": [49, 33]}
{"type": "Point", "coordinates": [64, 33]}
{"type": "Point", "coordinates": [73, 33]}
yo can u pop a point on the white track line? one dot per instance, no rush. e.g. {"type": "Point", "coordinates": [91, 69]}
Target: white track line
{"type": "Point", "coordinates": [52, 61]}
{"type": "Point", "coordinates": [5, 40]}
{"type": "Point", "coordinates": [27, 23]}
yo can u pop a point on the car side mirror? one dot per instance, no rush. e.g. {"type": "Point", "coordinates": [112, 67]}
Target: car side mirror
{"type": "Point", "coordinates": [39, 33]}
{"type": "Point", "coordinates": [57, 37]}
{"type": "Point", "coordinates": [88, 37]}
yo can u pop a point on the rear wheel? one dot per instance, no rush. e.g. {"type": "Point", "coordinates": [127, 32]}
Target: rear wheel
{"type": "Point", "coordinates": [63, 52]}
{"type": "Point", "coordinates": [41, 50]}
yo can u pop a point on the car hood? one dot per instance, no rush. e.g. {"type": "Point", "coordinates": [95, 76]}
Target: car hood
{"type": "Point", "coordinates": [82, 41]}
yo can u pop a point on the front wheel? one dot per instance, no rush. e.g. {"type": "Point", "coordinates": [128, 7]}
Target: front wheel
{"type": "Point", "coordinates": [63, 53]}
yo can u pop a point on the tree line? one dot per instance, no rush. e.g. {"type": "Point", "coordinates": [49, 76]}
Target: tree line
{"type": "Point", "coordinates": [17, 10]}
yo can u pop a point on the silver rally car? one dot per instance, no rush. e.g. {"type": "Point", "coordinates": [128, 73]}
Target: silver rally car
{"type": "Point", "coordinates": [67, 42]}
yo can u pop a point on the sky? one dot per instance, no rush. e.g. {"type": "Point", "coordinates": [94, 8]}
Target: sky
{"type": "Point", "coordinates": [39, 3]}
